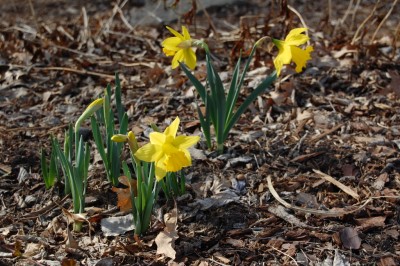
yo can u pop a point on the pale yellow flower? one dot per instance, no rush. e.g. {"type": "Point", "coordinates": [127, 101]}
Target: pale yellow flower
{"type": "Point", "coordinates": [89, 111]}
{"type": "Point", "coordinates": [288, 50]}
{"type": "Point", "coordinates": [180, 47]}
{"type": "Point", "coordinates": [170, 153]}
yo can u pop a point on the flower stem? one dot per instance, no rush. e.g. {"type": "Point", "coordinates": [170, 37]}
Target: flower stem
{"type": "Point", "coordinates": [220, 148]}
{"type": "Point", "coordinates": [77, 227]}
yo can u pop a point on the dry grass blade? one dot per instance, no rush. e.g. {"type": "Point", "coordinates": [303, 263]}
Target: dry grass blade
{"type": "Point", "coordinates": [355, 37]}
{"type": "Point", "coordinates": [345, 188]}
{"type": "Point", "coordinates": [329, 213]}
{"type": "Point", "coordinates": [383, 21]}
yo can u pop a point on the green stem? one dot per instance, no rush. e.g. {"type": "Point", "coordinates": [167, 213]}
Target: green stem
{"type": "Point", "coordinates": [77, 226]}
{"type": "Point", "coordinates": [220, 148]}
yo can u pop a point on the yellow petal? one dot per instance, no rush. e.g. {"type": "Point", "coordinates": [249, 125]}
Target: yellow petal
{"type": "Point", "coordinates": [169, 149]}
{"type": "Point", "coordinates": [168, 52]}
{"type": "Point", "coordinates": [189, 58]}
{"type": "Point", "coordinates": [187, 154]}
{"type": "Point", "coordinates": [284, 57]}
{"type": "Point", "coordinates": [160, 170]}
{"type": "Point", "coordinates": [149, 153]}
{"type": "Point", "coordinates": [173, 128]}
{"type": "Point", "coordinates": [185, 32]}
{"type": "Point", "coordinates": [171, 43]}
{"type": "Point", "coordinates": [174, 32]}
{"type": "Point", "coordinates": [300, 57]}
{"type": "Point", "coordinates": [184, 142]}
{"type": "Point", "coordinates": [178, 57]}
{"type": "Point", "coordinates": [157, 138]}
{"type": "Point", "coordinates": [295, 37]}
{"type": "Point", "coordinates": [176, 162]}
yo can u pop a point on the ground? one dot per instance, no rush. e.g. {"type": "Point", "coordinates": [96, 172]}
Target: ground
{"type": "Point", "coordinates": [310, 174]}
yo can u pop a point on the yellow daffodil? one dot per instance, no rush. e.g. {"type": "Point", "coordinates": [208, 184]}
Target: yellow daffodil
{"type": "Point", "coordinates": [170, 153]}
{"type": "Point", "coordinates": [288, 50]}
{"type": "Point", "coordinates": [180, 47]}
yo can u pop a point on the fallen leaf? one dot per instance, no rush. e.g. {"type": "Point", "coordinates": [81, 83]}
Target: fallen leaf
{"type": "Point", "coordinates": [32, 249]}
{"type": "Point", "coordinates": [387, 261]}
{"type": "Point", "coordinates": [165, 240]}
{"type": "Point", "coordinates": [221, 258]}
{"type": "Point", "coordinates": [74, 217]}
{"type": "Point", "coordinates": [350, 239]}
{"type": "Point", "coordinates": [68, 262]}
{"type": "Point", "coordinates": [339, 259]}
{"type": "Point", "coordinates": [380, 181]}
{"type": "Point", "coordinates": [124, 194]}
{"type": "Point", "coordinates": [71, 242]}
{"type": "Point", "coordinates": [114, 226]}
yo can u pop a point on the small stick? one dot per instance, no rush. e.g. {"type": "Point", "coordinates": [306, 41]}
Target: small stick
{"type": "Point", "coordinates": [383, 21]}
{"type": "Point", "coordinates": [283, 253]}
{"type": "Point", "coordinates": [363, 23]}
{"type": "Point", "coordinates": [329, 213]}
{"type": "Point", "coordinates": [301, 19]}
{"type": "Point", "coordinates": [82, 72]}
{"type": "Point", "coordinates": [345, 188]}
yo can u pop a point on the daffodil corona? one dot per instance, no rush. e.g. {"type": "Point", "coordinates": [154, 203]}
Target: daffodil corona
{"type": "Point", "coordinates": [288, 50]}
{"type": "Point", "coordinates": [170, 153]}
{"type": "Point", "coordinates": [180, 47]}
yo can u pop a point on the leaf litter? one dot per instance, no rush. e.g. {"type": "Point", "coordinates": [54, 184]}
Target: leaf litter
{"type": "Point", "coordinates": [339, 118]}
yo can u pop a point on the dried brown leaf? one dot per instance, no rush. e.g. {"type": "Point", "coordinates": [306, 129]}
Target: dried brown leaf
{"type": "Point", "coordinates": [349, 238]}
{"type": "Point", "coordinates": [165, 240]}
{"type": "Point", "coordinates": [124, 194]}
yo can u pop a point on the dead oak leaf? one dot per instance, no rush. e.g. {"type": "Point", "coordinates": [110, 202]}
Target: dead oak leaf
{"type": "Point", "coordinates": [124, 194]}
{"type": "Point", "coordinates": [165, 240]}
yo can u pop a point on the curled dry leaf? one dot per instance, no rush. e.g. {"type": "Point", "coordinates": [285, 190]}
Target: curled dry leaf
{"type": "Point", "coordinates": [124, 194]}
{"type": "Point", "coordinates": [165, 240]}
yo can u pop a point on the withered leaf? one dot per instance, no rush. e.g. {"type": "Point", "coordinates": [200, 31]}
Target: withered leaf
{"type": "Point", "coordinates": [124, 194]}
{"type": "Point", "coordinates": [350, 239]}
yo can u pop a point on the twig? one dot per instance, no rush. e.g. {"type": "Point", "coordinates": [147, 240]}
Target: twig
{"type": "Point", "coordinates": [345, 188]}
{"type": "Point", "coordinates": [318, 137]}
{"type": "Point", "coordinates": [219, 263]}
{"type": "Point", "coordinates": [44, 210]}
{"type": "Point", "coordinates": [301, 19]}
{"type": "Point", "coordinates": [383, 21]}
{"type": "Point", "coordinates": [364, 22]}
{"type": "Point", "coordinates": [208, 18]}
{"type": "Point", "coordinates": [329, 213]}
{"type": "Point", "coordinates": [33, 14]}
{"type": "Point", "coordinates": [353, 18]}
{"type": "Point", "coordinates": [82, 72]}
{"type": "Point", "coordinates": [283, 253]}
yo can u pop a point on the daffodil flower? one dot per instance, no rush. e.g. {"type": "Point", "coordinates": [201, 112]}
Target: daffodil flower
{"type": "Point", "coordinates": [180, 47]}
{"type": "Point", "coordinates": [288, 50]}
{"type": "Point", "coordinates": [170, 153]}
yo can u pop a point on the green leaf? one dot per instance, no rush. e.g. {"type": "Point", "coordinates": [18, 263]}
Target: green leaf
{"type": "Point", "coordinates": [218, 97]}
{"type": "Point", "coordinates": [100, 144]}
{"type": "Point", "coordinates": [261, 88]}
{"type": "Point", "coordinates": [118, 97]}
{"type": "Point", "coordinates": [234, 90]}
{"type": "Point", "coordinates": [45, 174]}
{"type": "Point", "coordinates": [201, 90]}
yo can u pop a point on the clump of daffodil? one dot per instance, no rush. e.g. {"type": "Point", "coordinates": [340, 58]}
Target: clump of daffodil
{"type": "Point", "coordinates": [180, 47]}
{"type": "Point", "coordinates": [288, 50]}
{"type": "Point", "coordinates": [168, 151]}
